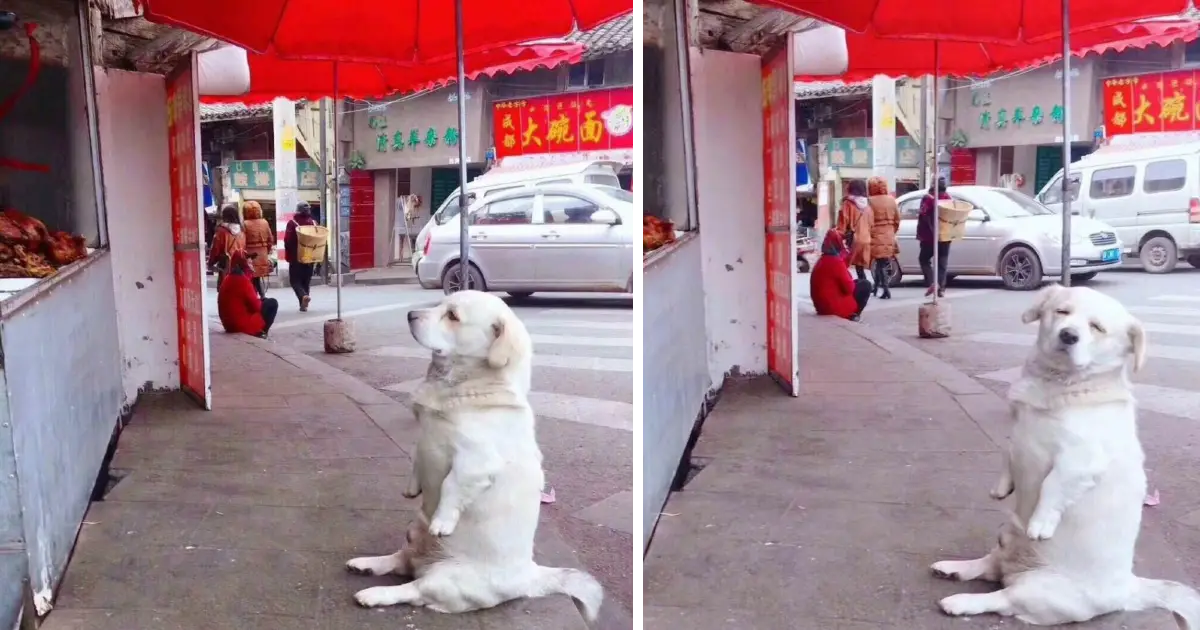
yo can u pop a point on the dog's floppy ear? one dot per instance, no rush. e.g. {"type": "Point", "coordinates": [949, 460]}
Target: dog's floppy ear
{"type": "Point", "coordinates": [511, 341]}
{"type": "Point", "coordinates": [1034, 312]}
{"type": "Point", "coordinates": [1137, 340]}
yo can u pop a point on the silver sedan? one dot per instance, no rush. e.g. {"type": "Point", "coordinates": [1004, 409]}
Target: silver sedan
{"type": "Point", "coordinates": [567, 238]}
{"type": "Point", "coordinates": [1011, 235]}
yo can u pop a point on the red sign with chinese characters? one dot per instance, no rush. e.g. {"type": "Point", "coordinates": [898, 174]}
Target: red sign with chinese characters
{"type": "Point", "coordinates": [1152, 102]}
{"type": "Point", "coordinates": [564, 123]}
{"type": "Point", "coordinates": [183, 142]}
{"type": "Point", "coordinates": [779, 200]}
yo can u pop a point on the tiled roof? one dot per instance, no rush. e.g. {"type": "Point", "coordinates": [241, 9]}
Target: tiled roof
{"type": "Point", "coordinates": [824, 89]}
{"type": "Point", "coordinates": [612, 37]}
{"type": "Point", "coordinates": [233, 111]}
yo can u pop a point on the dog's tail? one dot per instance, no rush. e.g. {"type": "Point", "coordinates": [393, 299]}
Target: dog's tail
{"type": "Point", "coordinates": [578, 584]}
{"type": "Point", "coordinates": [1182, 600]}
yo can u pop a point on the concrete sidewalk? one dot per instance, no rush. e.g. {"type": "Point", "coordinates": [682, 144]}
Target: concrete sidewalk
{"type": "Point", "coordinates": [243, 517]}
{"type": "Point", "coordinates": [826, 511]}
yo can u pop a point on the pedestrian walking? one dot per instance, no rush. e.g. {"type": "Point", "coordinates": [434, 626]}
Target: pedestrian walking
{"type": "Point", "coordinates": [885, 221]}
{"type": "Point", "coordinates": [854, 222]}
{"type": "Point", "coordinates": [228, 239]}
{"type": "Point", "coordinates": [299, 274]}
{"type": "Point", "coordinates": [260, 240]}
{"type": "Point", "coordinates": [927, 237]}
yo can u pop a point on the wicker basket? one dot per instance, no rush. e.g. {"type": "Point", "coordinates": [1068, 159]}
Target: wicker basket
{"type": "Point", "coordinates": [952, 219]}
{"type": "Point", "coordinates": [311, 241]}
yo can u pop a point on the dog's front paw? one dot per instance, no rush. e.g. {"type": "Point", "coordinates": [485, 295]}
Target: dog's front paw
{"type": "Point", "coordinates": [1042, 526]}
{"type": "Point", "coordinates": [959, 605]}
{"type": "Point", "coordinates": [443, 524]}
{"type": "Point", "coordinates": [371, 565]}
{"type": "Point", "coordinates": [376, 596]}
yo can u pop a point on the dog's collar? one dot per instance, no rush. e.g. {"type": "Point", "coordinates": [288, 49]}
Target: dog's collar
{"type": "Point", "coordinates": [1044, 387]}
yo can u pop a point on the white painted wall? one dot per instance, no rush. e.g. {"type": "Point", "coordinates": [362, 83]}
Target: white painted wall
{"type": "Point", "coordinates": [727, 104]}
{"type": "Point", "coordinates": [422, 184]}
{"type": "Point", "coordinates": [675, 376]}
{"type": "Point", "coordinates": [385, 207]}
{"type": "Point", "coordinates": [132, 111]}
{"type": "Point", "coordinates": [1025, 163]}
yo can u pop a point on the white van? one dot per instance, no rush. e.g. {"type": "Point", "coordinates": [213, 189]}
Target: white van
{"type": "Point", "coordinates": [1150, 196]}
{"type": "Point", "coordinates": [497, 180]}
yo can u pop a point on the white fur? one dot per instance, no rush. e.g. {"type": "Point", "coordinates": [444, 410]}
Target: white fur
{"type": "Point", "coordinates": [477, 468]}
{"type": "Point", "coordinates": [1075, 471]}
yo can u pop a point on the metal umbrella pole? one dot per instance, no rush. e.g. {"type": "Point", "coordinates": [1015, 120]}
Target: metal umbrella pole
{"type": "Point", "coordinates": [1066, 144]}
{"type": "Point", "coordinates": [464, 244]}
{"type": "Point", "coordinates": [337, 169]}
{"type": "Point", "coordinates": [937, 93]}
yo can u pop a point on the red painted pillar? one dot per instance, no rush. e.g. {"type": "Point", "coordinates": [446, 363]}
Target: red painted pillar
{"type": "Point", "coordinates": [362, 220]}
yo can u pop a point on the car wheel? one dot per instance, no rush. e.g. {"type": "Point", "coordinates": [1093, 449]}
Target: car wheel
{"type": "Point", "coordinates": [520, 295]}
{"type": "Point", "coordinates": [1020, 269]}
{"type": "Point", "coordinates": [1159, 255]}
{"type": "Point", "coordinates": [1194, 260]}
{"type": "Point", "coordinates": [452, 283]}
{"type": "Point", "coordinates": [894, 274]}
{"type": "Point", "coordinates": [1084, 278]}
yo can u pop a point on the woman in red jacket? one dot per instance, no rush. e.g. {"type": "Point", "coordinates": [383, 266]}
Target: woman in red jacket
{"type": "Point", "coordinates": [833, 290]}
{"type": "Point", "coordinates": [238, 304]}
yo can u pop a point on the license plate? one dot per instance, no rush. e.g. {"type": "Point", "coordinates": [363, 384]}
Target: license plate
{"type": "Point", "coordinates": [1111, 255]}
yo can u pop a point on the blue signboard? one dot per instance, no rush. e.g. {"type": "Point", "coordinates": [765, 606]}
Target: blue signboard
{"type": "Point", "coordinates": [801, 163]}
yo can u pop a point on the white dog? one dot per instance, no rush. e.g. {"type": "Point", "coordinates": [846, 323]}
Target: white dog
{"type": "Point", "coordinates": [477, 468]}
{"type": "Point", "coordinates": [1074, 468]}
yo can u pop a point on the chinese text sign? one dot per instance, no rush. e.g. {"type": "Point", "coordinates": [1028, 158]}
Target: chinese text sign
{"type": "Point", "coordinates": [1151, 102]}
{"type": "Point", "coordinates": [779, 189]}
{"type": "Point", "coordinates": [184, 164]}
{"type": "Point", "coordinates": [600, 120]}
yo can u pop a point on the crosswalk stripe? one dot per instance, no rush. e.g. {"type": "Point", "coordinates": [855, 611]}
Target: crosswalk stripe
{"type": "Point", "coordinates": [1176, 298]}
{"type": "Point", "coordinates": [1165, 310]}
{"type": "Point", "coordinates": [567, 323]}
{"type": "Point", "coordinates": [1165, 400]}
{"type": "Point", "coordinates": [597, 364]}
{"type": "Point", "coordinates": [581, 409]}
{"type": "Point", "coordinates": [1186, 353]}
{"type": "Point", "coordinates": [572, 340]}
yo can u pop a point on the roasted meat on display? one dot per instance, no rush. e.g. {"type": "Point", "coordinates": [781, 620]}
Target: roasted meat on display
{"type": "Point", "coordinates": [656, 233]}
{"type": "Point", "coordinates": [29, 250]}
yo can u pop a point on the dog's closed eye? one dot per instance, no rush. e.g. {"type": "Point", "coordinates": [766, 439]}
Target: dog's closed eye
{"type": "Point", "coordinates": [1063, 311]}
{"type": "Point", "coordinates": [1099, 328]}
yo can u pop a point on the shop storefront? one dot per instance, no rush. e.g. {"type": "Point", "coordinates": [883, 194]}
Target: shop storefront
{"type": "Point", "coordinates": [564, 128]}
{"type": "Point", "coordinates": [1013, 125]}
{"type": "Point", "coordinates": [61, 370]}
{"type": "Point", "coordinates": [408, 146]}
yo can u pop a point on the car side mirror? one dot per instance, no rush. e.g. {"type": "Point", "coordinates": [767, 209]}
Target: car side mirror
{"type": "Point", "coordinates": [604, 215]}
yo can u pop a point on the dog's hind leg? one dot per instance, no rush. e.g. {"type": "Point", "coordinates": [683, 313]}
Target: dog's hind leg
{"type": "Point", "coordinates": [965, 604]}
{"type": "Point", "coordinates": [400, 563]}
{"type": "Point", "coordinates": [377, 596]}
{"type": "Point", "coordinates": [986, 568]}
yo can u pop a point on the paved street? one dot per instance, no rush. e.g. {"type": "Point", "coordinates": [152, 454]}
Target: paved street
{"type": "Point", "coordinates": [582, 393]}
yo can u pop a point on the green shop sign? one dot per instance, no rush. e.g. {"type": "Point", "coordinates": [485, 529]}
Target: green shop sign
{"type": "Point", "coordinates": [1017, 117]}
{"type": "Point", "coordinates": [260, 174]}
{"type": "Point", "coordinates": [411, 139]}
{"type": "Point", "coordinates": [859, 152]}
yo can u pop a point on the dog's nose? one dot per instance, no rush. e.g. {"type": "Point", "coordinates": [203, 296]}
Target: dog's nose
{"type": "Point", "coordinates": [1068, 337]}
{"type": "Point", "coordinates": [412, 316]}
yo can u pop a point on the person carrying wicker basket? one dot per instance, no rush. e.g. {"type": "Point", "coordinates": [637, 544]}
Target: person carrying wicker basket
{"type": "Point", "coordinates": [299, 273]}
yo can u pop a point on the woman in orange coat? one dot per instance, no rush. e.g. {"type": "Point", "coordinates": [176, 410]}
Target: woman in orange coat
{"type": "Point", "coordinates": [854, 222]}
{"type": "Point", "coordinates": [885, 217]}
{"type": "Point", "coordinates": [228, 240]}
{"type": "Point", "coordinates": [260, 240]}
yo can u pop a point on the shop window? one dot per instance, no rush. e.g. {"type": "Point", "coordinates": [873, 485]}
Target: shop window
{"type": "Point", "coordinates": [1165, 176]}
{"type": "Point", "coordinates": [1110, 183]}
{"type": "Point", "coordinates": [668, 185]}
{"type": "Point", "coordinates": [47, 157]}
{"type": "Point", "coordinates": [1191, 53]}
{"type": "Point", "coordinates": [588, 74]}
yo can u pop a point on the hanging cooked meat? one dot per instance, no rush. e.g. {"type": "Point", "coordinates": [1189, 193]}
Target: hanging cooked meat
{"type": "Point", "coordinates": [29, 250]}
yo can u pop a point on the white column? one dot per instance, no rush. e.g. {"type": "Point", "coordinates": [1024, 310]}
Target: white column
{"type": "Point", "coordinates": [883, 129]}
{"type": "Point", "coordinates": [286, 194]}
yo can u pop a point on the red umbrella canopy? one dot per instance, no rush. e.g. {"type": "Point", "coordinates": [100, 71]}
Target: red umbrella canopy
{"type": "Point", "coordinates": [380, 31]}
{"type": "Point", "coordinates": [272, 77]}
{"type": "Point", "coordinates": [870, 55]}
{"type": "Point", "coordinates": [997, 21]}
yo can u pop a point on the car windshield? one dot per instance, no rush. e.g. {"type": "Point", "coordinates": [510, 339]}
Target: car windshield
{"type": "Point", "coordinates": [1009, 204]}
{"type": "Point", "coordinates": [620, 194]}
